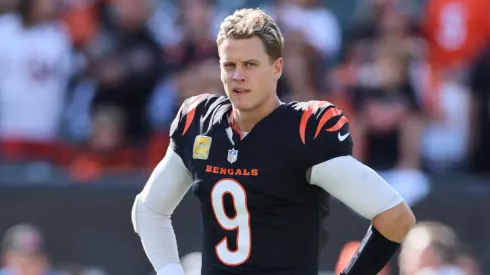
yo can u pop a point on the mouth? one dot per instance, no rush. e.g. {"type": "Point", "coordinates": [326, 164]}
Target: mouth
{"type": "Point", "coordinates": [240, 91]}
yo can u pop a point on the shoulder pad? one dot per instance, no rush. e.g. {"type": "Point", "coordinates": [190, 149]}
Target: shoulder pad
{"type": "Point", "coordinates": [188, 110]}
{"type": "Point", "coordinates": [323, 112]}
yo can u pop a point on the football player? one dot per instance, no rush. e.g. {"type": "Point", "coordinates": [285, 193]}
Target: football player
{"type": "Point", "coordinates": [263, 171]}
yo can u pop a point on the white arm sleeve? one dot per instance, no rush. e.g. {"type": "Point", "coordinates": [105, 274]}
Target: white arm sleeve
{"type": "Point", "coordinates": [356, 185]}
{"type": "Point", "coordinates": [152, 209]}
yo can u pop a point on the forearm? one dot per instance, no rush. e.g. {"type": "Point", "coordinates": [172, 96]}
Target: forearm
{"type": "Point", "coordinates": [364, 191]}
{"type": "Point", "coordinates": [158, 238]}
{"type": "Point", "coordinates": [153, 208]}
{"type": "Point", "coordinates": [382, 241]}
{"type": "Point", "coordinates": [394, 224]}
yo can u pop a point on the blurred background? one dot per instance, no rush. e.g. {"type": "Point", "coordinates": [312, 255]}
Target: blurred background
{"type": "Point", "coordinates": [88, 89]}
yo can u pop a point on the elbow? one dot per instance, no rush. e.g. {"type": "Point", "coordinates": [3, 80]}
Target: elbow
{"type": "Point", "coordinates": [396, 222]}
{"type": "Point", "coordinates": [406, 220]}
{"type": "Point", "coordinates": [142, 214]}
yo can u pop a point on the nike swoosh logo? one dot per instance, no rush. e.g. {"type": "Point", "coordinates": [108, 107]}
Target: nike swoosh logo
{"type": "Point", "coordinates": [343, 137]}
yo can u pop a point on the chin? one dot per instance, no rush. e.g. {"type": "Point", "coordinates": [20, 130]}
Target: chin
{"type": "Point", "coordinates": [242, 105]}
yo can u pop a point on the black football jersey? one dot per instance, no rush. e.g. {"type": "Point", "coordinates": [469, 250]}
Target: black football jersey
{"type": "Point", "coordinates": [259, 213]}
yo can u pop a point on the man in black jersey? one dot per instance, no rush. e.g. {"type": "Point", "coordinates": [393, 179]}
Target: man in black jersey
{"type": "Point", "coordinates": [263, 171]}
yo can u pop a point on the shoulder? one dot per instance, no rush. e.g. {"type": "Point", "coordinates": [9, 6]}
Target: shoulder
{"type": "Point", "coordinates": [322, 130]}
{"type": "Point", "coordinates": [317, 118]}
{"type": "Point", "coordinates": [195, 107]}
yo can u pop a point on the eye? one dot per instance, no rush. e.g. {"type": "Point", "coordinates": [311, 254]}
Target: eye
{"type": "Point", "coordinates": [250, 64]}
{"type": "Point", "coordinates": [228, 65]}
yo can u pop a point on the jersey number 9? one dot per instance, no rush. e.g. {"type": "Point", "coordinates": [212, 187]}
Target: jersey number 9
{"type": "Point", "coordinates": [239, 223]}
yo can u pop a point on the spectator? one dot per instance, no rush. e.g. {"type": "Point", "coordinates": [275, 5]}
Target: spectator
{"type": "Point", "coordinates": [445, 138]}
{"type": "Point", "coordinates": [125, 64]}
{"type": "Point", "coordinates": [430, 248]}
{"type": "Point", "coordinates": [318, 25]}
{"type": "Point", "coordinates": [313, 41]}
{"type": "Point", "coordinates": [191, 62]}
{"type": "Point", "coordinates": [82, 20]}
{"type": "Point", "coordinates": [196, 45]}
{"type": "Point", "coordinates": [455, 32]}
{"type": "Point", "coordinates": [388, 124]}
{"type": "Point", "coordinates": [33, 80]}
{"type": "Point", "coordinates": [302, 71]}
{"type": "Point", "coordinates": [468, 262]}
{"type": "Point", "coordinates": [368, 15]}
{"type": "Point", "coordinates": [107, 150]}
{"type": "Point", "coordinates": [24, 252]}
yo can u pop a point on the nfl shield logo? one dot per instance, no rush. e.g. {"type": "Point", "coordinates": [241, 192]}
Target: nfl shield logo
{"type": "Point", "coordinates": [232, 155]}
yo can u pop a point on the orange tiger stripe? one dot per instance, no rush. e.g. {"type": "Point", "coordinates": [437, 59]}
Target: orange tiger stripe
{"type": "Point", "coordinates": [237, 130]}
{"type": "Point", "coordinates": [306, 115]}
{"type": "Point", "coordinates": [329, 114]}
{"type": "Point", "coordinates": [191, 111]}
{"type": "Point", "coordinates": [342, 121]}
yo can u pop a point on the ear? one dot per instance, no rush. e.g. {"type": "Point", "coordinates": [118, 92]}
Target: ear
{"type": "Point", "coordinates": [277, 66]}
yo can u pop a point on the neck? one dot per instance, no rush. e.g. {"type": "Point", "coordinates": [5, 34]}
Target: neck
{"type": "Point", "coordinates": [246, 120]}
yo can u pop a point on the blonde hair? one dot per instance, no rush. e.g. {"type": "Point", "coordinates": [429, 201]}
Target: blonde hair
{"type": "Point", "coordinates": [247, 23]}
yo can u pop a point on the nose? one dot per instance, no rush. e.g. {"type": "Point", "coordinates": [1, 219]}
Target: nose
{"type": "Point", "coordinates": [238, 75]}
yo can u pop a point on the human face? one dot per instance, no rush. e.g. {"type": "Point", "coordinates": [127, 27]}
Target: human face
{"type": "Point", "coordinates": [44, 9]}
{"type": "Point", "coordinates": [131, 14]}
{"type": "Point", "coordinates": [418, 253]}
{"type": "Point", "coordinates": [22, 263]}
{"type": "Point", "coordinates": [248, 75]}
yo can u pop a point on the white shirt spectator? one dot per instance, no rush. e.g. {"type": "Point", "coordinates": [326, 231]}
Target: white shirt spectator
{"type": "Point", "coordinates": [319, 26]}
{"type": "Point", "coordinates": [35, 69]}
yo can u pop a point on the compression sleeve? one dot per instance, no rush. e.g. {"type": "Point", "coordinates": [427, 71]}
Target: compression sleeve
{"type": "Point", "coordinates": [152, 209]}
{"type": "Point", "coordinates": [356, 185]}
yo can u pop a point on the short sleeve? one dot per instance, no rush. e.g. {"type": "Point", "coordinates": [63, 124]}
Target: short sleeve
{"type": "Point", "coordinates": [183, 125]}
{"type": "Point", "coordinates": [329, 135]}
{"type": "Point", "coordinates": [177, 127]}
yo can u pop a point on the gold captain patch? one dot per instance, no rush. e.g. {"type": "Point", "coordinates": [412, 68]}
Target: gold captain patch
{"type": "Point", "coordinates": [202, 145]}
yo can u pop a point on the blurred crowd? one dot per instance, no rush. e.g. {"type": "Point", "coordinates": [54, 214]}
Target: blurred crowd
{"type": "Point", "coordinates": [92, 85]}
{"type": "Point", "coordinates": [431, 248]}
{"type": "Point", "coordinates": [24, 252]}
